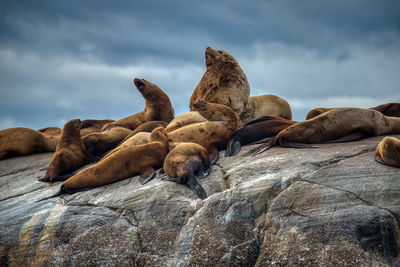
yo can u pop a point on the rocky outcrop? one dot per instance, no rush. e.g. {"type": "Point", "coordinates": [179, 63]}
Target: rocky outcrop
{"type": "Point", "coordinates": [333, 205]}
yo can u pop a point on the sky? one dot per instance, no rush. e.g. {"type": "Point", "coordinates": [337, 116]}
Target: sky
{"type": "Point", "coordinates": [61, 60]}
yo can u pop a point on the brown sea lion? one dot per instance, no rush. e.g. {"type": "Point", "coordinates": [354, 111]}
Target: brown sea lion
{"type": "Point", "coordinates": [184, 163]}
{"type": "Point", "coordinates": [255, 130]}
{"type": "Point", "coordinates": [146, 127]}
{"type": "Point", "coordinates": [98, 143]}
{"type": "Point", "coordinates": [336, 125]}
{"type": "Point", "coordinates": [158, 107]}
{"type": "Point", "coordinates": [138, 139]}
{"type": "Point", "coordinates": [127, 162]}
{"type": "Point", "coordinates": [266, 105]}
{"type": "Point", "coordinates": [24, 141]}
{"type": "Point", "coordinates": [389, 109]}
{"type": "Point", "coordinates": [212, 134]}
{"type": "Point", "coordinates": [70, 153]}
{"type": "Point", "coordinates": [53, 131]}
{"type": "Point", "coordinates": [224, 82]}
{"type": "Point", "coordinates": [388, 151]}
{"type": "Point", "coordinates": [91, 126]}
{"type": "Point", "coordinates": [184, 119]}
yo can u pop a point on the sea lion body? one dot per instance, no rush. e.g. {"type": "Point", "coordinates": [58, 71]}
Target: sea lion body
{"type": "Point", "coordinates": [127, 162]}
{"type": "Point", "coordinates": [146, 127]}
{"type": "Point", "coordinates": [388, 151]}
{"type": "Point", "coordinates": [98, 143]}
{"type": "Point", "coordinates": [224, 82]}
{"type": "Point", "coordinates": [158, 107]}
{"type": "Point", "coordinates": [24, 141]}
{"type": "Point", "coordinates": [212, 134]}
{"type": "Point", "coordinates": [185, 162]}
{"type": "Point", "coordinates": [316, 111]}
{"type": "Point", "coordinates": [266, 105]}
{"type": "Point", "coordinates": [70, 153]}
{"type": "Point", "coordinates": [256, 130]}
{"type": "Point", "coordinates": [53, 131]}
{"type": "Point", "coordinates": [138, 139]}
{"type": "Point", "coordinates": [340, 123]}
{"type": "Point", "coordinates": [91, 126]}
{"type": "Point", "coordinates": [184, 119]}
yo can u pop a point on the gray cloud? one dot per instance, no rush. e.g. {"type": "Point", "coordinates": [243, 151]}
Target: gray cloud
{"type": "Point", "coordinates": [62, 60]}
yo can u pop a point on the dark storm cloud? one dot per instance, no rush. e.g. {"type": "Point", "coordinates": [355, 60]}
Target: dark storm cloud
{"type": "Point", "coordinates": [61, 59]}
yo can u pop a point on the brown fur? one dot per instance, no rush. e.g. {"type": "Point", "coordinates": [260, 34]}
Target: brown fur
{"type": "Point", "coordinates": [158, 107]}
{"type": "Point", "coordinates": [70, 153]}
{"type": "Point", "coordinates": [91, 126]}
{"type": "Point", "coordinates": [53, 131]}
{"type": "Point", "coordinates": [185, 119]}
{"type": "Point", "coordinates": [24, 141]}
{"type": "Point", "coordinates": [316, 111]}
{"type": "Point", "coordinates": [224, 82]}
{"type": "Point", "coordinates": [221, 123]}
{"type": "Point", "coordinates": [340, 123]}
{"type": "Point", "coordinates": [266, 105]}
{"type": "Point", "coordinates": [184, 162]}
{"type": "Point", "coordinates": [125, 163]}
{"type": "Point", "coordinates": [146, 127]}
{"type": "Point", "coordinates": [98, 143]}
{"type": "Point", "coordinates": [255, 130]}
{"type": "Point", "coordinates": [138, 139]}
{"type": "Point", "coordinates": [388, 151]}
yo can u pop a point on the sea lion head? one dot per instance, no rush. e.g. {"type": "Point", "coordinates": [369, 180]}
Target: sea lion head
{"type": "Point", "coordinates": [218, 56]}
{"type": "Point", "coordinates": [149, 91]}
{"type": "Point", "coordinates": [74, 124]}
{"type": "Point", "coordinates": [159, 134]}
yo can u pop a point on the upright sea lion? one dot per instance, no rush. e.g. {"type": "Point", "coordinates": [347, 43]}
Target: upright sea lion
{"type": "Point", "coordinates": [98, 143]}
{"type": "Point", "coordinates": [70, 153]}
{"type": "Point", "coordinates": [389, 109]}
{"type": "Point", "coordinates": [91, 126]}
{"type": "Point", "coordinates": [53, 131]}
{"type": "Point", "coordinates": [127, 162]}
{"type": "Point", "coordinates": [266, 105]}
{"type": "Point", "coordinates": [212, 134]}
{"type": "Point", "coordinates": [146, 127]}
{"type": "Point", "coordinates": [224, 82]}
{"type": "Point", "coordinates": [158, 107]}
{"type": "Point", "coordinates": [255, 130]}
{"type": "Point", "coordinates": [24, 141]}
{"type": "Point", "coordinates": [388, 151]}
{"type": "Point", "coordinates": [184, 163]}
{"type": "Point", "coordinates": [336, 125]}
{"type": "Point", "coordinates": [184, 119]}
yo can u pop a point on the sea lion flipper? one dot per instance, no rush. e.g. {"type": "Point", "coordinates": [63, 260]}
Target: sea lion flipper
{"type": "Point", "coordinates": [45, 178]}
{"type": "Point", "coordinates": [196, 187]}
{"type": "Point", "coordinates": [203, 170]}
{"type": "Point", "coordinates": [167, 178]}
{"type": "Point", "coordinates": [229, 147]}
{"type": "Point", "coordinates": [378, 158]}
{"type": "Point", "coordinates": [232, 148]}
{"type": "Point", "coordinates": [259, 149]}
{"type": "Point", "coordinates": [146, 175]}
{"type": "Point", "coordinates": [262, 141]}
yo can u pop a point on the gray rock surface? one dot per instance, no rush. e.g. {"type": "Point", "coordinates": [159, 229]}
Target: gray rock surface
{"type": "Point", "coordinates": [328, 206]}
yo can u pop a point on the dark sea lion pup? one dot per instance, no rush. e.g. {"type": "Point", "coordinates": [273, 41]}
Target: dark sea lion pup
{"type": "Point", "coordinates": [122, 164]}
{"type": "Point", "coordinates": [255, 130]}
{"type": "Point", "coordinates": [184, 163]}
{"type": "Point", "coordinates": [158, 107]}
{"type": "Point", "coordinates": [388, 151]}
{"type": "Point", "coordinates": [336, 125]}
{"type": "Point", "coordinates": [70, 153]}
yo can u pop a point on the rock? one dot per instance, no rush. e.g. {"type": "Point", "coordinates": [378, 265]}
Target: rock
{"type": "Point", "coordinates": [333, 205]}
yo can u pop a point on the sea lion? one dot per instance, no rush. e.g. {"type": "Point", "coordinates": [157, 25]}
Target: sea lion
{"type": "Point", "coordinates": [24, 141]}
{"type": "Point", "coordinates": [184, 119]}
{"type": "Point", "coordinates": [266, 105]}
{"type": "Point", "coordinates": [91, 126]}
{"type": "Point", "coordinates": [98, 143]}
{"type": "Point", "coordinates": [184, 163]}
{"type": "Point", "coordinates": [146, 127]}
{"type": "Point", "coordinates": [389, 109]}
{"type": "Point", "coordinates": [53, 131]}
{"type": "Point", "coordinates": [388, 151]}
{"type": "Point", "coordinates": [70, 153]}
{"type": "Point", "coordinates": [138, 139]}
{"type": "Point", "coordinates": [336, 125]}
{"type": "Point", "coordinates": [224, 82]}
{"type": "Point", "coordinates": [127, 162]}
{"type": "Point", "coordinates": [213, 134]}
{"type": "Point", "coordinates": [158, 107]}
{"type": "Point", "coordinates": [255, 130]}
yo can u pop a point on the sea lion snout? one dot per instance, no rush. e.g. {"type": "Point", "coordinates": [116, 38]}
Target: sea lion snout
{"type": "Point", "coordinates": [139, 83]}
{"type": "Point", "coordinates": [199, 103]}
